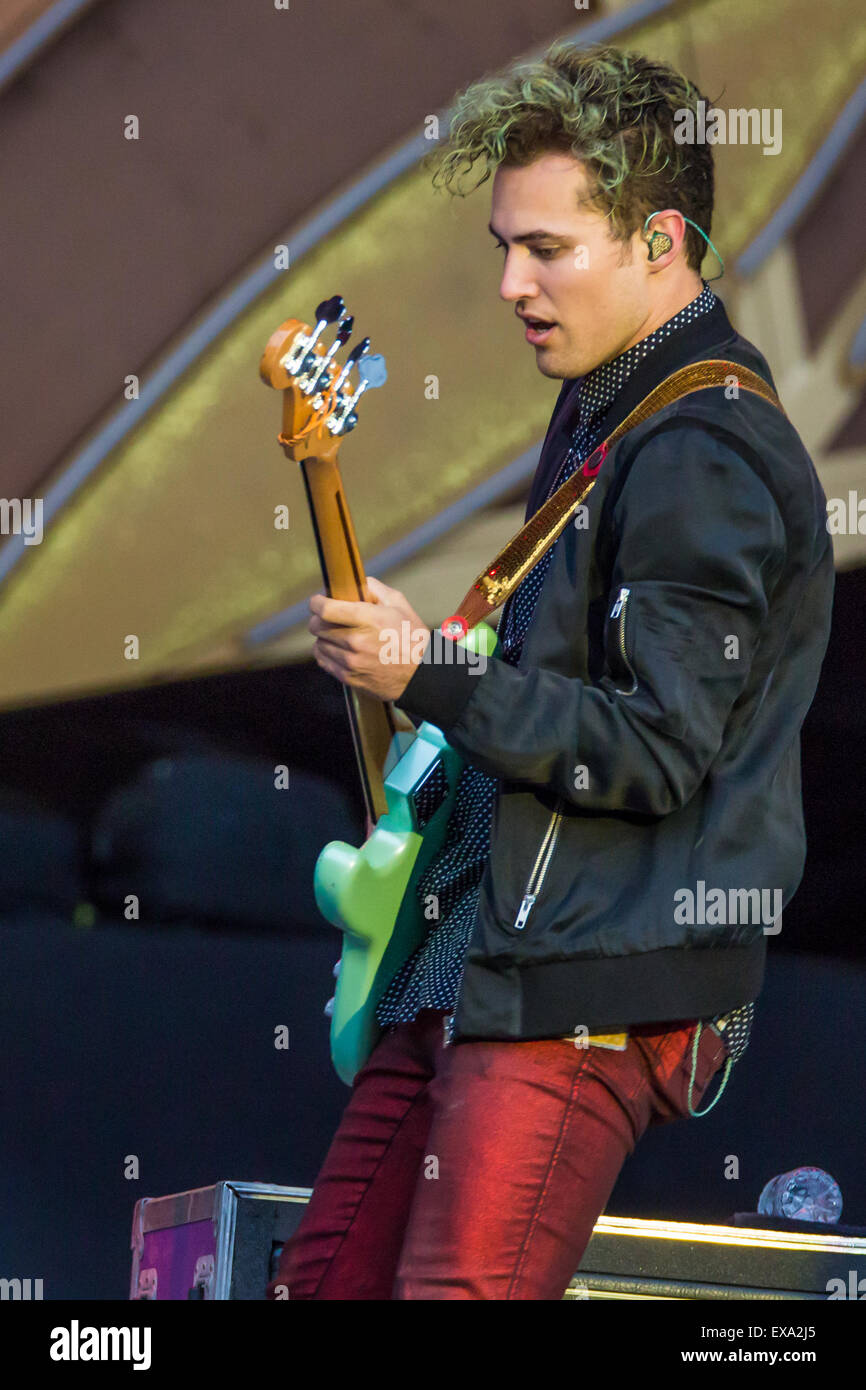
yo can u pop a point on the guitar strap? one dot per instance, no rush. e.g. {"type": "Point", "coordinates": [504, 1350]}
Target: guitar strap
{"type": "Point", "coordinates": [523, 551]}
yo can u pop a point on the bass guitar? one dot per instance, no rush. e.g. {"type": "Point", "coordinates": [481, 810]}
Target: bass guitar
{"type": "Point", "coordinates": [408, 777]}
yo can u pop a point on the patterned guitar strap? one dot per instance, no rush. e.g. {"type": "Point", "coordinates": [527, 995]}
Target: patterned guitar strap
{"type": "Point", "coordinates": [495, 583]}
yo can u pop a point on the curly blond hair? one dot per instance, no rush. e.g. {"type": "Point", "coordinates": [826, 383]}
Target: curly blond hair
{"type": "Point", "coordinates": [614, 110]}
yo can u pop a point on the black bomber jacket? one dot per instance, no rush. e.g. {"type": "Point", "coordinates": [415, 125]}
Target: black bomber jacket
{"type": "Point", "coordinates": [649, 817]}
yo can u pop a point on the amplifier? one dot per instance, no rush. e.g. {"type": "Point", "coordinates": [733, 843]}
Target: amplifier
{"type": "Point", "coordinates": [224, 1242]}
{"type": "Point", "coordinates": [629, 1258]}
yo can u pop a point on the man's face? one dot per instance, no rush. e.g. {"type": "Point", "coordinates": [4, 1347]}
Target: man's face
{"type": "Point", "coordinates": [563, 267]}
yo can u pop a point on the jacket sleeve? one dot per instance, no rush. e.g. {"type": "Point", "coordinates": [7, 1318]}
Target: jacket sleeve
{"type": "Point", "coordinates": [699, 543]}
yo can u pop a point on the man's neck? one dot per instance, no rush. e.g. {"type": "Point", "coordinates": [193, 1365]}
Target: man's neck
{"type": "Point", "coordinates": [598, 379]}
{"type": "Point", "coordinates": [662, 313]}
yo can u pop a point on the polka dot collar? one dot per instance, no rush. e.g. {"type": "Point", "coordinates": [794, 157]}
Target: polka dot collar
{"type": "Point", "coordinates": [600, 387]}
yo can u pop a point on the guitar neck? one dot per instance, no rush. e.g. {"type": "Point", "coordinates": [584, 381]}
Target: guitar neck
{"type": "Point", "coordinates": [373, 722]}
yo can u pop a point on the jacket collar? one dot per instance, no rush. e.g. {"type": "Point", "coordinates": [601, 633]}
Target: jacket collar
{"type": "Point", "coordinates": [709, 335]}
{"type": "Point", "coordinates": [690, 342]}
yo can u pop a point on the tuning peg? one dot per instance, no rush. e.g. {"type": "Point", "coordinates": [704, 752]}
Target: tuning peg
{"type": "Point", "coordinates": [331, 309]}
{"type": "Point", "coordinates": [358, 352]}
{"type": "Point", "coordinates": [321, 363]}
{"type": "Point", "coordinates": [300, 360]}
{"type": "Point", "coordinates": [354, 356]}
{"type": "Point", "coordinates": [373, 371]}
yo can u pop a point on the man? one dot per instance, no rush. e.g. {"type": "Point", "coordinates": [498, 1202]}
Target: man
{"type": "Point", "coordinates": [632, 783]}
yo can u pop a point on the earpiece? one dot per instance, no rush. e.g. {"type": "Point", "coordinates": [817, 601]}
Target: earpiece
{"type": "Point", "coordinates": [660, 243]}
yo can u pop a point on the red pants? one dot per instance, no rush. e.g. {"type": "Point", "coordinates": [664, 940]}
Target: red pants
{"type": "Point", "coordinates": [478, 1170]}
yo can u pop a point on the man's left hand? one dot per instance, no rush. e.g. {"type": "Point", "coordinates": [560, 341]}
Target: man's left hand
{"type": "Point", "coordinates": [370, 646]}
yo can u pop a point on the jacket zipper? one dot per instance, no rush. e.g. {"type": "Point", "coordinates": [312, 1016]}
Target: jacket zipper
{"type": "Point", "coordinates": [619, 611]}
{"type": "Point", "coordinates": [548, 844]}
{"type": "Point", "coordinates": [539, 868]}
{"type": "Point", "coordinates": [530, 893]}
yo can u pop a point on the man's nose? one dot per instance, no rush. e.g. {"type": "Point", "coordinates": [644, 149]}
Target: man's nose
{"type": "Point", "coordinates": [517, 280]}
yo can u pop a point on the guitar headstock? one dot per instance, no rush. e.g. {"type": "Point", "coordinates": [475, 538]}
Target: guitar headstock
{"type": "Point", "coordinates": [320, 394]}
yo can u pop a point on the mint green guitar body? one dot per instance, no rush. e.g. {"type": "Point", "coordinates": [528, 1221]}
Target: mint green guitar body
{"type": "Point", "coordinates": [369, 893]}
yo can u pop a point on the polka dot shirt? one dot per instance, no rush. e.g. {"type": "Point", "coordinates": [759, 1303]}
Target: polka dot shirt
{"type": "Point", "coordinates": [448, 889]}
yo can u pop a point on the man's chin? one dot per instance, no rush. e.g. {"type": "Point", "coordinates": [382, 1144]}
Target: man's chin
{"type": "Point", "coordinates": [551, 364]}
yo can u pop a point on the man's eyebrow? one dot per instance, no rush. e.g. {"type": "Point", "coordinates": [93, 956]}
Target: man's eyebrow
{"type": "Point", "coordinates": [538, 235]}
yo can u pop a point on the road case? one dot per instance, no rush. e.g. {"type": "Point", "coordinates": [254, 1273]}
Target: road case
{"type": "Point", "coordinates": [219, 1242]}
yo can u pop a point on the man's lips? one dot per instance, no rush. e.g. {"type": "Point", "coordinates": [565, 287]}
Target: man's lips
{"type": "Point", "coordinates": [537, 330]}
